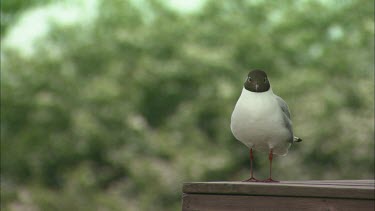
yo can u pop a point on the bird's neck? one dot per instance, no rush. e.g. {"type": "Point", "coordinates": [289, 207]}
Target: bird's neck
{"type": "Point", "coordinates": [250, 93]}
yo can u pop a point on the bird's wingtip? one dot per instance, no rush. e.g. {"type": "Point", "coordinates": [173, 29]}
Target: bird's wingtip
{"type": "Point", "coordinates": [296, 139]}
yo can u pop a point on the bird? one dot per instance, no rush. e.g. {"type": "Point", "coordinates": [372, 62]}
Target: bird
{"type": "Point", "coordinates": [261, 121]}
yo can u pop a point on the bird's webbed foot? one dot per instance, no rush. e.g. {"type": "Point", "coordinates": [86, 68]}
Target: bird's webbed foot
{"type": "Point", "coordinates": [251, 179]}
{"type": "Point", "coordinates": [269, 180]}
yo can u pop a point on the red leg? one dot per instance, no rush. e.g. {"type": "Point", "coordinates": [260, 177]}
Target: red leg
{"type": "Point", "coordinates": [251, 179]}
{"type": "Point", "coordinates": [270, 157]}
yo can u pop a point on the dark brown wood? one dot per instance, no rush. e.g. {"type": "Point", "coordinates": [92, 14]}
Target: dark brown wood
{"type": "Point", "coordinates": [200, 202]}
{"type": "Point", "coordinates": [286, 195]}
{"type": "Point", "coordinates": [329, 189]}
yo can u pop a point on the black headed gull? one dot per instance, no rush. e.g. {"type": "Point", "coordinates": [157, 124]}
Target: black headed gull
{"type": "Point", "coordinates": [261, 120]}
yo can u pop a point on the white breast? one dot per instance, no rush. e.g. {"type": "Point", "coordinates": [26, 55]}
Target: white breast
{"type": "Point", "coordinates": [257, 122]}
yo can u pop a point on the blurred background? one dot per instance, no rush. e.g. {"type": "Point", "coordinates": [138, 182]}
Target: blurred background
{"type": "Point", "coordinates": [112, 105]}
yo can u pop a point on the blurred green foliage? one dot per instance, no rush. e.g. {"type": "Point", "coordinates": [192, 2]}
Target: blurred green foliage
{"type": "Point", "coordinates": [11, 10]}
{"type": "Point", "coordinates": [117, 113]}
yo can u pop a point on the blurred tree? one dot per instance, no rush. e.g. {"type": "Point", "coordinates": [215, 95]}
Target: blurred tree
{"type": "Point", "coordinates": [118, 112]}
{"type": "Point", "coordinates": [12, 9]}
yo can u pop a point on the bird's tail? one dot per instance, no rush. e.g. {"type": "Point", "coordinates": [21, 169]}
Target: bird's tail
{"type": "Point", "coordinates": [296, 139]}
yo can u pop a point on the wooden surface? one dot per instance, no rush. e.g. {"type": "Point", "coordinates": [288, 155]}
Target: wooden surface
{"type": "Point", "coordinates": [286, 195]}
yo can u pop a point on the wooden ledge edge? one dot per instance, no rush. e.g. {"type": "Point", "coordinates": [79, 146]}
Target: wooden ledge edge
{"type": "Point", "coordinates": [281, 189]}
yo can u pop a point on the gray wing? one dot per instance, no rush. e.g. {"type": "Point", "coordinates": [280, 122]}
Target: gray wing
{"type": "Point", "coordinates": [286, 115]}
{"type": "Point", "coordinates": [284, 107]}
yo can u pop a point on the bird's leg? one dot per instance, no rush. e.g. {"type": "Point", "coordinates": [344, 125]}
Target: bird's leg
{"type": "Point", "coordinates": [270, 157]}
{"type": "Point", "coordinates": [251, 179]}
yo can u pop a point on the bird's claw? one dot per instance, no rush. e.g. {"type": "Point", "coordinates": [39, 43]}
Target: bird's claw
{"type": "Point", "coordinates": [269, 180]}
{"type": "Point", "coordinates": [251, 179]}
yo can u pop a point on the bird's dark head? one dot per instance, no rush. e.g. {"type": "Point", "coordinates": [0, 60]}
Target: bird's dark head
{"type": "Point", "coordinates": [257, 81]}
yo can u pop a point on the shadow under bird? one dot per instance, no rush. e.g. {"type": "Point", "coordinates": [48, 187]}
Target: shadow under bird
{"type": "Point", "coordinates": [261, 120]}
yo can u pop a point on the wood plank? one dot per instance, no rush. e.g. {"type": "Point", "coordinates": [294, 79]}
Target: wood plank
{"type": "Point", "coordinates": [338, 190]}
{"type": "Point", "coordinates": [333, 182]}
{"type": "Point", "coordinates": [200, 202]}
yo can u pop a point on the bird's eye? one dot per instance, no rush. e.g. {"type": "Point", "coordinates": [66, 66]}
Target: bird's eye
{"type": "Point", "coordinates": [265, 80]}
{"type": "Point", "coordinates": [249, 78]}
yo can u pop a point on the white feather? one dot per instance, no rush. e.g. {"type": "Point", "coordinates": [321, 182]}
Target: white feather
{"type": "Point", "coordinates": [258, 122]}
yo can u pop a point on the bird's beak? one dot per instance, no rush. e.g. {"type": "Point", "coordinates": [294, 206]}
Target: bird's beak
{"type": "Point", "coordinates": [256, 87]}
